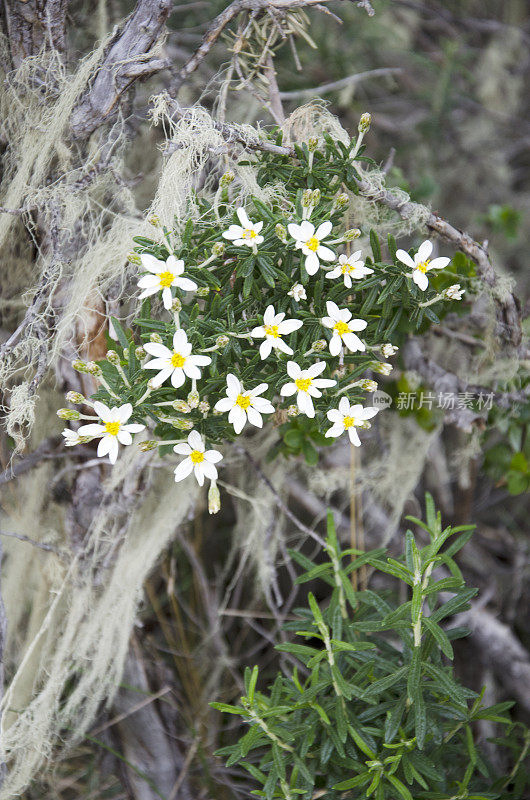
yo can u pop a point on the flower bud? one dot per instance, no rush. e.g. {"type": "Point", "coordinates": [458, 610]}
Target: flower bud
{"type": "Point", "coordinates": [214, 498]}
{"type": "Point", "coordinates": [307, 198]}
{"type": "Point", "coordinates": [176, 306]}
{"type": "Point", "coordinates": [454, 292]}
{"type": "Point", "coordinates": [193, 399]}
{"type": "Point", "coordinates": [113, 357]}
{"type": "Point", "coordinates": [134, 258]}
{"type": "Point", "coordinates": [154, 220]}
{"type": "Point", "coordinates": [204, 406]}
{"type": "Point", "coordinates": [155, 338]}
{"type": "Point", "coordinates": [151, 384]}
{"type": "Point", "coordinates": [368, 385]}
{"type": "Point", "coordinates": [202, 291]}
{"type": "Point", "coordinates": [93, 369]}
{"type": "Point", "coordinates": [146, 446]}
{"type": "Point", "coordinates": [319, 346]}
{"type": "Point", "coordinates": [183, 424]}
{"type": "Point", "coordinates": [364, 424]}
{"type": "Point", "coordinates": [351, 234]}
{"type": "Point", "coordinates": [80, 366]}
{"type": "Point", "coordinates": [182, 406]}
{"type": "Point", "coordinates": [126, 353]}
{"type": "Point", "coordinates": [216, 413]}
{"type": "Point", "coordinates": [341, 201]}
{"type": "Point", "coordinates": [140, 353]}
{"type": "Point", "coordinates": [68, 413]}
{"type": "Point", "coordinates": [312, 145]}
{"type": "Point", "coordinates": [389, 350]}
{"type": "Point", "coordinates": [222, 340]}
{"type": "Point", "coordinates": [281, 232]}
{"type": "Point", "coordinates": [365, 122]}
{"type": "Point", "coordinates": [75, 397]}
{"type": "Point", "coordinates": [292, 411]}
{"type": "Point", "coordinates": [227, 178]}
{"type": "Point", "coordinates": [381, 367]}
{"type": "Point", "coordinates": [218, 248]}
{"type": "Point", "coordinates": [317, 194]}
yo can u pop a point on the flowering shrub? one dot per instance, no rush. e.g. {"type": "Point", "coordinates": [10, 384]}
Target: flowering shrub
{"type": "Point", "coordinates": [369, 704]}
{"type": "Point", "coordinates": [262, 312]}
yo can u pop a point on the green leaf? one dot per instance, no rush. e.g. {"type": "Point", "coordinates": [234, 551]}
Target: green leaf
{"type": "Point", "coordinates": [376, 247]}
{"type": "Point", "coordinates": [440, 636]}
{"type": "Point", "coordinates": [400, 787]}
{"type": "Point", "coordinates": [351, 783]}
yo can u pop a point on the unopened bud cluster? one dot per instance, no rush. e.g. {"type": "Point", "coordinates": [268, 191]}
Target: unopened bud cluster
{"type": "Point", "coordinates": [193, 399]}
{"type": "Point", "coordinates": [155, 338]}
{"type": "Point", "coordinates": [140, 353]}
{"type": "Point", "coordinates": [181, 406]}
{"type": "Point", "coordinates": [319, 346]}
{"type": "Point", "coordinates": [281, 232]}
{"type": "Point", "coordinates": [381, 367]}
{"type": "Point", "coordinates": [222, 341]}
{"type": "Point", "coordinates": [68, 413]}
{"type": "Point", "coordinates": [227, 178]}
{"type": "Point", "coordinates": [113, 357]}
{"type": "Point", "coordinates": [146, 446]}
{"type": "Point", "coordinates": [351, 234]}
{"type": "Point", "coordinates": [75, 397]}
{"type": "Point", "coordinates": [214, 499]}
{"type": "Point", "coordinates": [388, 350]}
{"type": "Point", "coordinates": [365, 122]}
{"type": "Point", "coordinates": [218, 248]}
{"type": "Point", "coordinates": [176, 305]}
{"type": "Point", "coordinates": [341, 201]}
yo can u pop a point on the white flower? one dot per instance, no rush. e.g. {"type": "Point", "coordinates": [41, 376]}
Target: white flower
{"type": "Point", "coordinates": [246, 233]}
{"type": "Point", "coordinates": [273, 328]}
{"type": "Point", "coordinates": [347, 418]}
{"type": "Point", "coordinates": [243, 405]}
{"type": "Point", "coordinates": [71, 438]}
{"type": "Point", "coordinates": [178, 362]}
{"type": "Point", "coordinates": [350, 267]}
{"type": "Point", "coordinates": [421, 264]}
{"type": "Point", "coordinates": [343, 327]}
{"type": "Point", "coordinates": [454, 292]}
{"type": "Point", "coordinates": [114, 429]}
{"type": "Point", "coordinates": [389, 350]}
{"type": "Point", "coordinates": [200, 461]}
{"type": "Point", "coordinates": [165, 274]}
{"type": "Point", "coordinates": [306, 385]}
{"type": "Point", "coordinates": [309, 242]}
{"type": "Point", "coordinates": [297, 292]}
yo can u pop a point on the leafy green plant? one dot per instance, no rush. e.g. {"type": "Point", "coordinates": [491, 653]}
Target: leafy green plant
{"type": "Point", "coordinates": [372, 707]}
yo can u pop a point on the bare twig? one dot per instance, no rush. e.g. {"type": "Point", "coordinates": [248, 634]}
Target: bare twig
{"type": "Point", "coordinates": [225, 18]}
{"type": "Point", "coordinates": [334, 86]}
{"type": "Point", "coordinates": [47, 547]}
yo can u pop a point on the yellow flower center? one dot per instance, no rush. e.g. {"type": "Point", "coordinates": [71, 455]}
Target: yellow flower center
{"type": "Point", "coordinates": [243, 401]}
{"type": "Point", "coordinates": [249, 234]}
{"type": "Point", "coordinates": [196, 456]}
{"type": "Point", "coordinates": [313, 244]}
{"type": "Point", "coordinates": [272, 330]}
{"type": "Point", "coordinates": [166, 279]}
{"type": "Point", "coordinates": [303, 384]}
{"type": "Point", "coordinates": [112, 428]}
{"type": "Point", "coordinates": [347, 268]}
{"type": "Point", "coordinates": [423, 266]}
{"type": "Point", "coordinates": [348, 422]}
{"type": "Point", "coordinates": [177, 360]}
{"type": "Point", "coordinates": [341, 328]}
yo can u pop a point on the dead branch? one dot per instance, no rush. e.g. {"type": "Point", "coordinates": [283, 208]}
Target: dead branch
{"type": "Point", "coordinates": [34, 25]}
{"type": "Point", "coordinates": [225, 18]}
{"type": "Point", "coordinates": [127, 58]}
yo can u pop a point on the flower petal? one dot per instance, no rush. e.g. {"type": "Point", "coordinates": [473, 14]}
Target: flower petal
{"type": "Point", "coordinates": [405, 258]}
{"type": "Point", "coordinates": [183, 470]}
